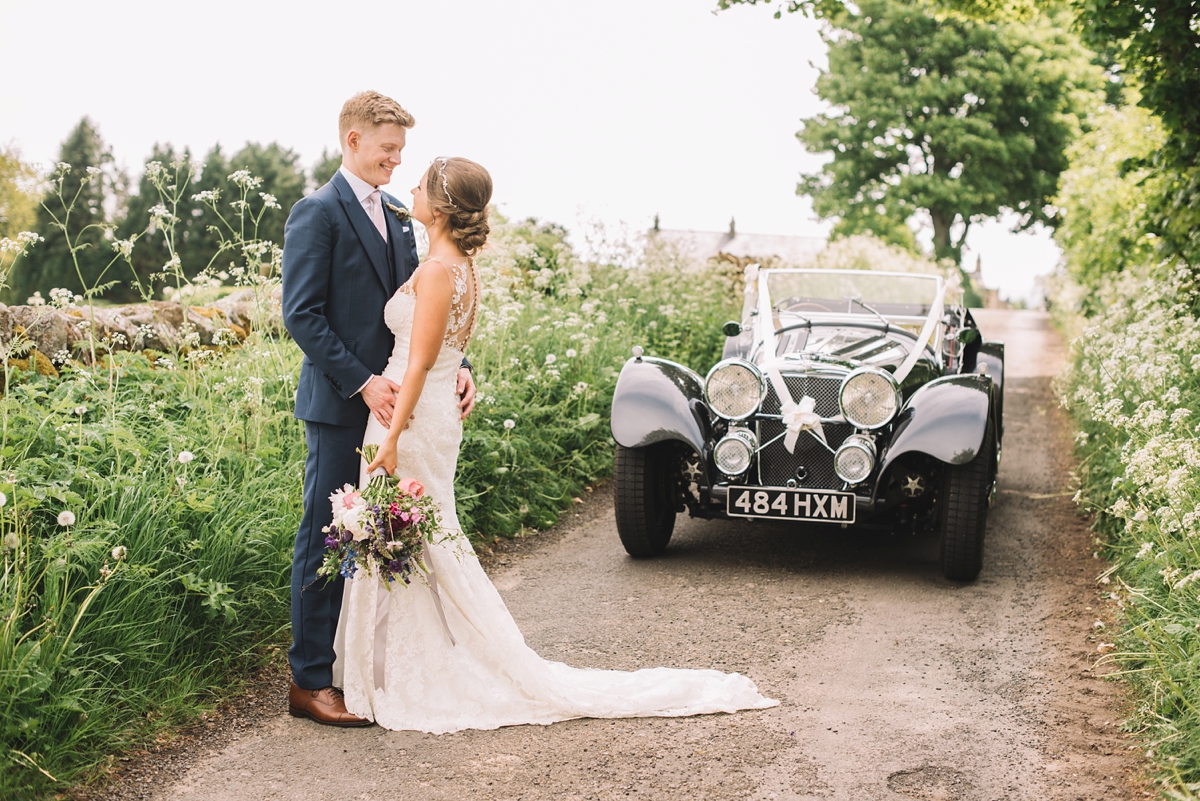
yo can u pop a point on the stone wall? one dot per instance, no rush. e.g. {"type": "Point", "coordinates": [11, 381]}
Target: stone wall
{"type": "Point", "coordinates": [157, 325]}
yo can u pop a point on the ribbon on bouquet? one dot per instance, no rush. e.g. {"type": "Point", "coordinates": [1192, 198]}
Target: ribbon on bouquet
{"type": "Point", "coordinates": [383, 604]}
{"type": "Point", "coordinates": [437, 598]}
{"type": "Point", "coordinates": [797, 417]}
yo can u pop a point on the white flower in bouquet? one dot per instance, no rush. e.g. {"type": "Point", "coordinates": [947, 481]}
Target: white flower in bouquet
{"type": "Point", "coordinates": [349, 509]}
{"type": "Point", "coordinates": [353, 521]}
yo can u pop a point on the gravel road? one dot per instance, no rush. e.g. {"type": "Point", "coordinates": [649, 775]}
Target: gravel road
{"type": "Point", "coordinates": [895, 684]}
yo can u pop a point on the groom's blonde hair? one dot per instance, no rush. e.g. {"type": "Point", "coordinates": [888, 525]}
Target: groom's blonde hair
{"type": "Point", "coordinates": [367, 110]}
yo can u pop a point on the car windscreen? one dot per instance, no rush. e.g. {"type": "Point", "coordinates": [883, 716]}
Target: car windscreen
{"type": "Point", "coordinates": [821, 292]}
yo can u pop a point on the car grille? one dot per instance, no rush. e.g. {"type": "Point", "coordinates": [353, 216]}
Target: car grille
{"type": "Point", "coordinates": [775, 464]}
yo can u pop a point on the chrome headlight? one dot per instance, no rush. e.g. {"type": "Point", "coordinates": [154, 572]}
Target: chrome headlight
{"type": "Point", "coordinates": [734, 452]}
{"type": "Point", "coordinates": [734, 389]}
{"type": "Point", "coordinates": [855, 459]}
{"type": "Point", "coordinates": [869, 398]}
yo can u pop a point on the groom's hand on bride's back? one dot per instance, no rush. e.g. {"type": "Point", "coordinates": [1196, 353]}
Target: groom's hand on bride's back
{"type": "Point", "coordinates": [466, 391]}
{"type": "Point", "coordinates": [380, 397]}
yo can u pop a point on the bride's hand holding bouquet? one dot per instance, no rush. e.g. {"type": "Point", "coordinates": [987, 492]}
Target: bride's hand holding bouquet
{"type": "Point", "coordinates": [381, 528]}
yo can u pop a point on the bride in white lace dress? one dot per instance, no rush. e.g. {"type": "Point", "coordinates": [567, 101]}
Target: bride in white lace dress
{"type": "Point", "coordinates": [448, 655]}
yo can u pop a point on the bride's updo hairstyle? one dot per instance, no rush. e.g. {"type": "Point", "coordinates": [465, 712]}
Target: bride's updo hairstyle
{"type": "Point", "coordinates": [460, 190]}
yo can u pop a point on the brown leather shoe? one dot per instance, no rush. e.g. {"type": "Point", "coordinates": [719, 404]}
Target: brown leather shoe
{"type": "Point", "coordinates": [326, 706]}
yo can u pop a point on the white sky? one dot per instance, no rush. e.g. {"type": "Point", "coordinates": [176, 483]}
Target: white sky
{"type": "Point", "coordinates": [612, 110]}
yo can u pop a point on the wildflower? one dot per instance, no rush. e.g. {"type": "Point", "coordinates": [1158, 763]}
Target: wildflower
{"type": "Point", "coordinates": [105, 571]}
{"type": "Point", "coordinates": [572, 353]}
{"type": "Point", "coordinates": [270, 201]}
{"type": "Point", "coordinates": [3, 500]}
{"type": "Point", "coordinates": [35, 300]}
{"type": "Point", "coordinates": [244, 179]}
{"type": "Point", "coordinates": [119, 553]}
{"type": "Point", "coordinates": [80, 411]}
{"type": "Point", "coordinates": [63, 298]}
{"type": "Point", "coordinates": [185, 457]}
{"type": "Point", "coordinates": [551, 358]}
{"type": "Point", "coordinates": [180, 480]}
{"type": "Point", "coordinates": [66, 518]}
{"type": "Point", "coordinates": [124, 247]}
{"type": "Point", "coordinates": [10, 541]}
{"type": "Point", "coordinates": [510, 424]}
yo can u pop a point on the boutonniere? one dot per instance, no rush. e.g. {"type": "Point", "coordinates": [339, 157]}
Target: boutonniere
{"type": "Point", "coordinates": [401, 213]}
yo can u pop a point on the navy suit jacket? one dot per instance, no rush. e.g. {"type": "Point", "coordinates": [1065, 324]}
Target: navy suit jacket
{"type": "Point", "coordinates": [337, 276]}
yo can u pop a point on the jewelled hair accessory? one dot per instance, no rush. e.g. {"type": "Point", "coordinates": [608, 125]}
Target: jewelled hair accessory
{"type": "Point", "coordinates": [441, 163]}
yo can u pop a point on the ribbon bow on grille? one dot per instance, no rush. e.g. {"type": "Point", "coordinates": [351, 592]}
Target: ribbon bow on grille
{"type": "Point", "coordinates": [800, 417]}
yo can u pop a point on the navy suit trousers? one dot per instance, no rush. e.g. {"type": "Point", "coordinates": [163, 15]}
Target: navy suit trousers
{"type": "Point", "coordinates": [317, 602]}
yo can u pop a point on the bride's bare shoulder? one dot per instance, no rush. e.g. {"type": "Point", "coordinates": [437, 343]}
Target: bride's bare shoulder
{"type": "Point", "coordinates": [433, 275]}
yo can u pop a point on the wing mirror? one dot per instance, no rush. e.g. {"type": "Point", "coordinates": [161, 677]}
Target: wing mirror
{"type": "Point", "coordinates": [731, 329]}
{"type": "Point", "coordinates": [968, 336]}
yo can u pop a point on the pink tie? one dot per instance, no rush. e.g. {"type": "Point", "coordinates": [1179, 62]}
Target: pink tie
{"type": "Point", "coordinates": [376, 212]}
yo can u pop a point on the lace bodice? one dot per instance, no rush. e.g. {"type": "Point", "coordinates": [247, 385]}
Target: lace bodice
{"type": "Point", "coordinates": [463, 308]}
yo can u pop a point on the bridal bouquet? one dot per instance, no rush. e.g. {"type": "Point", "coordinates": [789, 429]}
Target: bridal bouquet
{"type": "Point", "coordinates": [380, 528]}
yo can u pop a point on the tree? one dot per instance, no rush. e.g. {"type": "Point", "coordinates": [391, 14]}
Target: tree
{"type": "Point", "coordinates": [18, 197]}
{"type": "Point", "coordinates": [325, 167]}
{"type": "Point", "coordinates": [87, 187]}
{"type": "Point", "coordinates": [1105, 226]}
{"type": "Point", "coordinates": [959, 119]}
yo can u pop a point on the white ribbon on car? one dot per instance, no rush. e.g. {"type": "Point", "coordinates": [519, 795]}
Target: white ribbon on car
{"type": "Point", "coordinates": [931, 323]}
{"type": "Point", "coordinates": [797, 417]}
{"type": "Point", "coordinates": [802, 416]}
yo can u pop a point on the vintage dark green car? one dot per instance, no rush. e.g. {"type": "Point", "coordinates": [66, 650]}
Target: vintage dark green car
{"type": "Point", "coordinates": [843, 397]}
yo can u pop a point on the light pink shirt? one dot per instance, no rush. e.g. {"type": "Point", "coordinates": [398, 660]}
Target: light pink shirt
{"type": "Point", "coordinates": [362, 190]}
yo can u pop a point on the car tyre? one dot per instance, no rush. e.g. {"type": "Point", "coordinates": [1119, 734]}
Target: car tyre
{"type": "Point", "coordinates": [962, 516]}
{"type": "Point", "coordinates": [644, 502]}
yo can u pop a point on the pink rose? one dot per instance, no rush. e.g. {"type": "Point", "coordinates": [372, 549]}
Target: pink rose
{"type": "Point", "coordinates": [350, 498]}
{"type": "Point", "coordinates": [410, 486]}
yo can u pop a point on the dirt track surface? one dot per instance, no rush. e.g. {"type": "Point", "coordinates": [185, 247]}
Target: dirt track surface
{"type": "Point", "coordinates": [895, 684]}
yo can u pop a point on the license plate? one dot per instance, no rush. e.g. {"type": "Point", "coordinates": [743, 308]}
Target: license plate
{"type": "Point", "coordinates": [780, 503]}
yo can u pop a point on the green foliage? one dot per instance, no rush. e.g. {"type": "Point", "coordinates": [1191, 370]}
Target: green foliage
{"type": "Point", "coordinates": [1134, 390]}
{"type": "Point", "coordinates": [74, 258]}
{"type": "Point", "coordinates": [1160, 45]}
{"type": "Point", "coordinates": [1103, 202]}
{"type": "Point", "coordinates": [202, 587]}
{"type": "Point", "coordinates": [18, 201]}
{"type": "Point", "coordinates": [955, 118]}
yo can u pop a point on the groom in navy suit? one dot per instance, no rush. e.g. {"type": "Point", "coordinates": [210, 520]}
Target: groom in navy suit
{"type": "Point", "coordinates": [347, 248]}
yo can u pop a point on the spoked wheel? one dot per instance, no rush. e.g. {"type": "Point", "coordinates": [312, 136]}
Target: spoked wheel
{"type": "Point", "coordinates": [962, 516]}
{"type": "Point", "coordinates": [645, 502]}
